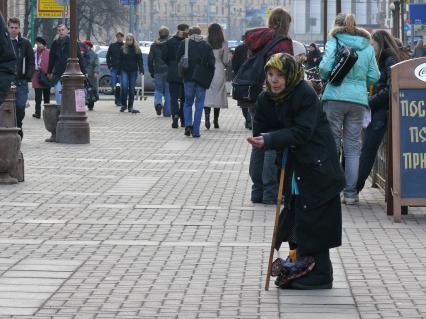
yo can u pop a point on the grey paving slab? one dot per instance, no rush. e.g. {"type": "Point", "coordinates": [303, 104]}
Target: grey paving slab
{"type": "Point", "coordinates": [144, 222]}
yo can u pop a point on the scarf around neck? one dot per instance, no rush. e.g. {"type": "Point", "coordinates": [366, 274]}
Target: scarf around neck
{"type": "Point", "coordinates": [292, 71]}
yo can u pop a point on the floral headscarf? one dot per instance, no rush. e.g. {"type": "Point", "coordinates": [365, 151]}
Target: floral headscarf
{"type": "Point", "coordinates": [293, 74]}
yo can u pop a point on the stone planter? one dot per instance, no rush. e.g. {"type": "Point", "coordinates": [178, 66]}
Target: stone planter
{"type": "Point", "coordinates": [10, 144]}
{"type": "Point", "coordinates": [50, 118]}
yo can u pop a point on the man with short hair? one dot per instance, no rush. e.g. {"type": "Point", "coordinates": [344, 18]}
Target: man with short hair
{"type": "Point", "coordinates": [175, 81]}
{"type": "Point", "coordinates": [158, 69]}
{"type": "Point", "coordinates": [25, 65]}
{"type": "Point", "coordinates": [113, 62]}
{"type": "Point", "coordinates": [58, 59]}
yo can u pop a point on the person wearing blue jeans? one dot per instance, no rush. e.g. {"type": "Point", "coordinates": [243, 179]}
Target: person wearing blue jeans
{"type": "Point", "coordinates": [196, 82]}
{"type": "Point", "coordinates": [131, 64]}
{"type": "Point", "coordinates": [193, 92]}
{"type": "Point", "coordinates": [128, 84]}
{"type": "Point", "coordinates": [115, 78]}
{"type": "Point", "coordinates": [162, 90]}
{"type": "Point", "coordinates": [345, 103]}
{"type": "Point", "coordinates": [113, 62]}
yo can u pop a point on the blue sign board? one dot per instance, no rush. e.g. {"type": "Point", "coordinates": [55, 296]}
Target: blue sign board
{"type": "Point", "coordinates": [418, 13]}
{"type": "Point", "coordinates": [129, 2]}
{"type": "Point", "coordinates": [413, 142]}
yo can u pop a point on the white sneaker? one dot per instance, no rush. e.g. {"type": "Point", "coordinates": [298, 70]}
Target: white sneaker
{"type": "Point", "coordinates": [351, 200]}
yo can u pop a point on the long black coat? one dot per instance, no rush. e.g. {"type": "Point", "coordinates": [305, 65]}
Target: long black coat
{"type": "Point", "coordinates": [300, 125]}
{"type": "Point", "coordinates": [169, 57]}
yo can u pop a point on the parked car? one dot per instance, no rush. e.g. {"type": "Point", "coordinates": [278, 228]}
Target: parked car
{"type": "Point", "coordinates": [105, 73]}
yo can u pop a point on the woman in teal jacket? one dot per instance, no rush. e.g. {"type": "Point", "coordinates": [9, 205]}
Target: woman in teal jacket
{"type": "Point", "coordinates": [345, 104]}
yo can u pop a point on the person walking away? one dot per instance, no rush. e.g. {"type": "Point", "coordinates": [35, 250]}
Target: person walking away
{"type": "Point", "coordinates": [263, 171]}
{"type": "Point", "coordinates": [216, 95]}
{"type": "Point", "coordinates": [177, 93]}
{"type": "Point", "coordinates": [239, 57]}
{"type": "Point", "coordinates": [58, 59]}
{"type": "Point", "coordinates": [419, 50]}
{"type": "Point", "coordinates": [113, 62]}
{"type": "Point", "coordinates": [200, 55]}
{"type": "Point", "coordinates": [131, 64]}
{"type": "Point", "coordinates": [92, 69]}
{"type": "Point", "coordinates": [345, 104]}
{"type": "Point", "coordinates": [313, 59]}
{"type": "Point", "coordinates": [24, 68]}
{"type": "Point", "coordinates": [289, 118]}
{"type": "Point", "coordinates": [7, 60]}
{"type": "Point", "coordinates": [158, 70]}
{"type": "Point", "coordinates": [41, 90]}
{"type": "Point", "coordinates": [387, 54]}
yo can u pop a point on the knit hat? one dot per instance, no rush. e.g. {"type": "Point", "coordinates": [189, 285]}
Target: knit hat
{"type": "Point", "coordinates": [40, 40]}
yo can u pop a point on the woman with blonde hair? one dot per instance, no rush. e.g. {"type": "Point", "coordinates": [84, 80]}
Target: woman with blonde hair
{"type": "Point", "coordinates": [131, 64]}
{"type": "Point", "coordinates": [346, 103]}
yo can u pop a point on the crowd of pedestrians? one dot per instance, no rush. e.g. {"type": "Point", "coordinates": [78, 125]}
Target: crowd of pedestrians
{"type": "Point", "coordinates": [303, 121]}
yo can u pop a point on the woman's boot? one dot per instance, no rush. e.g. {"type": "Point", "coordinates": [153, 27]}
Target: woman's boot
{"type": "Point", "coordinates": [207, 117]}
{"type": "Point", "coordinates": [216, 118]}
{"type": "Point", "coordinates": [321, 277]}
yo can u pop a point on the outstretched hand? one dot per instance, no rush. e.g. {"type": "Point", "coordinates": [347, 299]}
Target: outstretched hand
{"type": "Point", "coordinates": [258, 141]}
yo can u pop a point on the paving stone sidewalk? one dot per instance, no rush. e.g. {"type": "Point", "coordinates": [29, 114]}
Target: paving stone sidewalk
{"type": "Point", "coordinates": [146, 223]}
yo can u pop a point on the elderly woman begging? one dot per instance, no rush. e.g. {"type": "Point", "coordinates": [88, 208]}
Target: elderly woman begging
{"type": "Point", "coordinates": [289, 118]}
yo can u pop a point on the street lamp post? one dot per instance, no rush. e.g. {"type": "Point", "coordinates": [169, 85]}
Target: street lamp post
{"type": "Point", "coordinates": [395, 6]}
{"type": "Point", "coordinates": [73, 127]}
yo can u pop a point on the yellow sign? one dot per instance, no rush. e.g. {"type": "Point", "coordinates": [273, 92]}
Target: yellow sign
{"type": "Point", "coordinates": [51, 9]}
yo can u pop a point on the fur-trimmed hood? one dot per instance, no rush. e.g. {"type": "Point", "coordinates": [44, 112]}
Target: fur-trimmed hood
{"type": "Point", "coordinates": [358, 38]}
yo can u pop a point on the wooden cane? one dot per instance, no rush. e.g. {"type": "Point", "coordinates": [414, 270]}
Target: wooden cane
{"type": "Point", "coordinates": [277, 217]}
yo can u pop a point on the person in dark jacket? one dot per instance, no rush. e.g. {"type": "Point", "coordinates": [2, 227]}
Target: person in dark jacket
{"type": "Point", "coordinates": [92, 69]}
{"type": "Point", "coordinates": [113, 62]}
{"type": "Point", "coordinates": [25, 66]}
{"type": "Point", "coordinates": [199, 53]}
{"type": "Point", "coordinates": [239, 57]}
{"type": "Point", "coordinates": [58, 59]}
{"type": "Point", "coordinates": [387, 54]}
{"type": "Point", "coordinates": [313, 58]}
{"type": "Point", "coordinates": [289, 119]}
{"type": "Point", "coordinates": [177, 94]}
{"type": "Point", "coordinates": [158, 69]}
{"type": "Point", "coordinates": [7, 61]}
{"type": "Point", "coordinates": [131, 64]}
{"type": "Point", "coordinates": [262, 170]}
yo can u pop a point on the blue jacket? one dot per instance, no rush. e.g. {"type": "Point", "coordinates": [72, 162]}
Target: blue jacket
{"type": "Point", "coordinates": [365, 72]}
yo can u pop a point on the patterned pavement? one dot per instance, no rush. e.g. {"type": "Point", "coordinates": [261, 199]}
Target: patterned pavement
{"type": "Point", "coordinates": [146, 223]}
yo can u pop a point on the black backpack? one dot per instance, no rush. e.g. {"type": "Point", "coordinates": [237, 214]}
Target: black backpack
{"type": "Point", "coordinates": [248, 83]}
{"type": "Point", "coordinates": [345, 59]}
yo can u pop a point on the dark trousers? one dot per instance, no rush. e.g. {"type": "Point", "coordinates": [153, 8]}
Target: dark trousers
{"type": "Point", "coordinates": [246, 114]}
{"type": "Point", "coordinates": [372, 139]}
{"type": "Point", "coordinates": [39, 95]}
{"type": "Point", "coordinates": [177, 99]}
{"type": "Point", "coordinates": [21, 100]}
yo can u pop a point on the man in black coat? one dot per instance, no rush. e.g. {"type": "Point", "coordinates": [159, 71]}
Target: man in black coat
{"type": "Point", "coordinates": [113, 62]}
{"type": "Point", "coordinates": [58, 59]}
{"type": "Point", "coordinates": [7, 61]}
{"type": "Point", "coordinates": [200, 57]}
{"type": "Point", "coordinates": [25, 66]}
{"type": "Point", "coordinates": [158, 69]}
{"type": "Point", "coordinates": [175, 81]}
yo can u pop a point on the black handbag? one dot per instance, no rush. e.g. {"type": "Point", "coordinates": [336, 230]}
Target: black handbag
{"type": "Point", "coordinates": [203, 74]}
{"type": "Point", "coordinates": [345, 59]}
{"type": "Point", "coordinates": [43, 79]}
